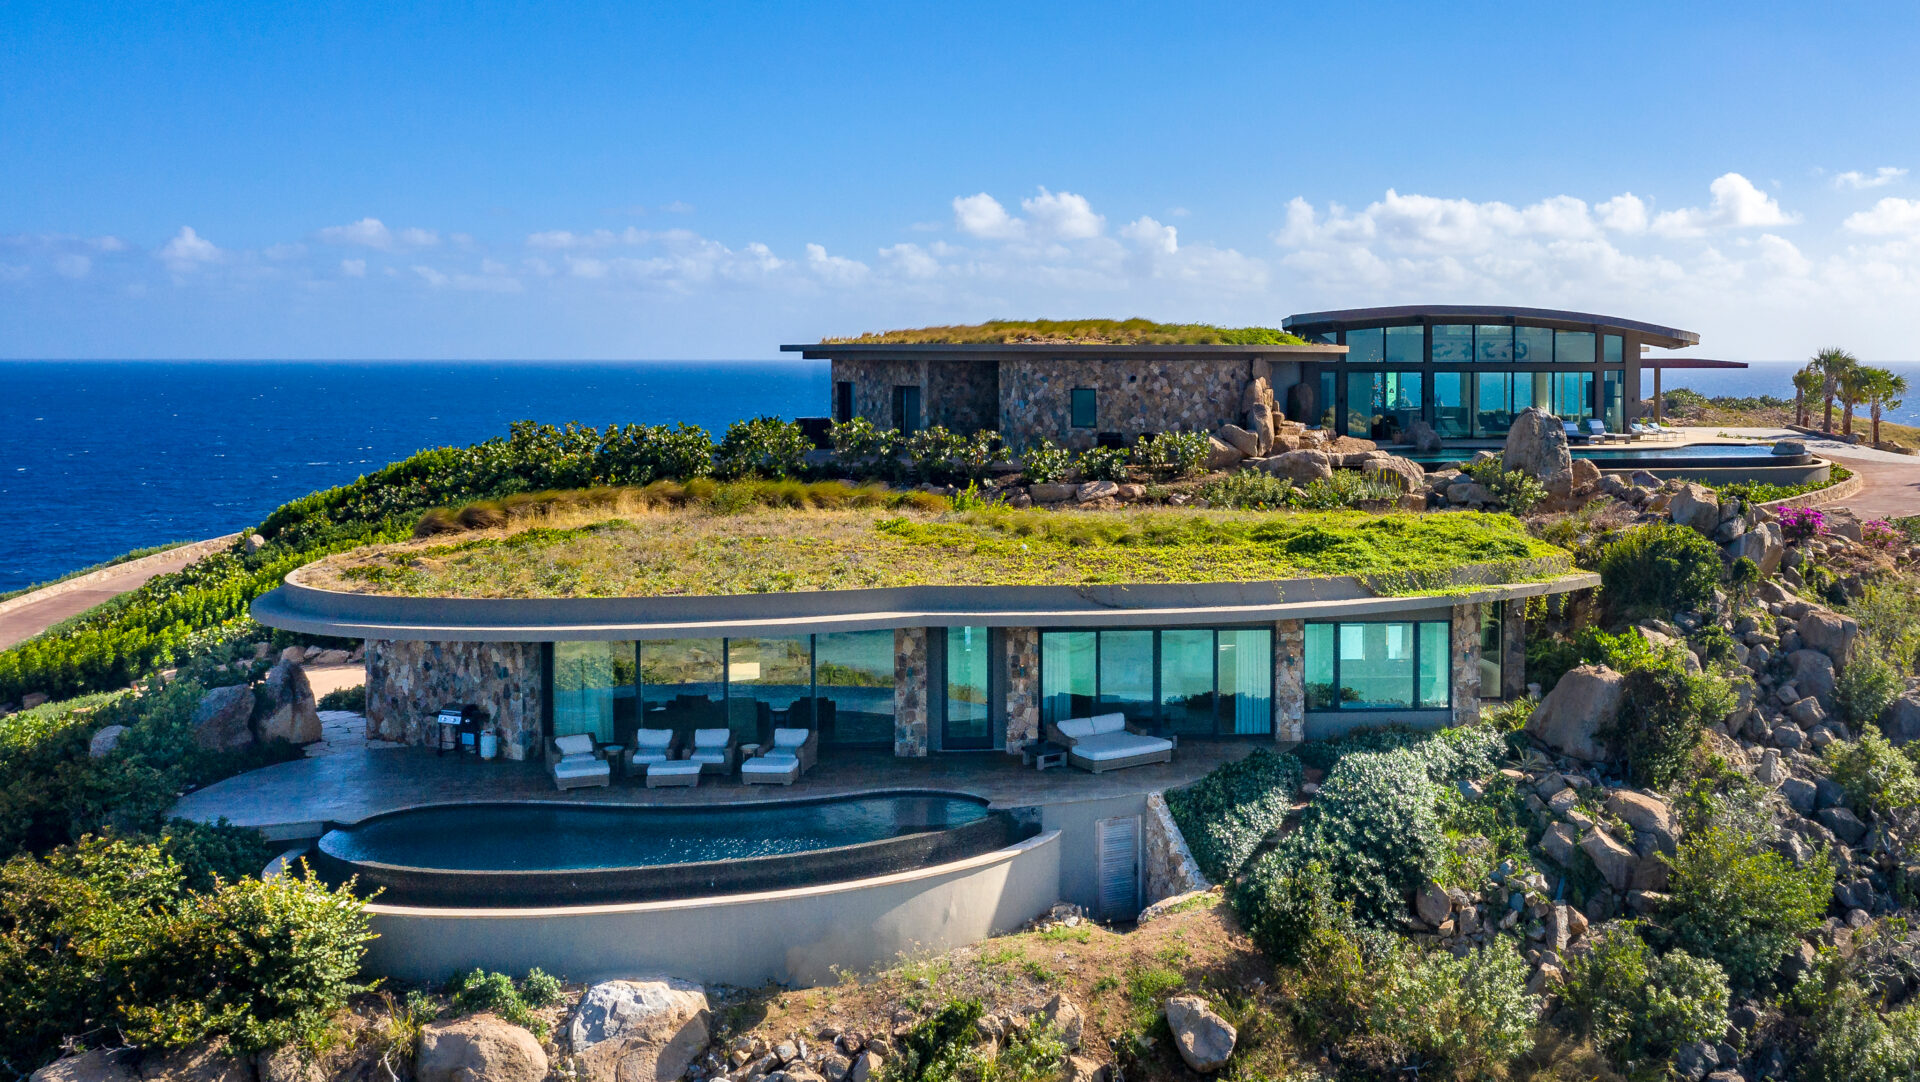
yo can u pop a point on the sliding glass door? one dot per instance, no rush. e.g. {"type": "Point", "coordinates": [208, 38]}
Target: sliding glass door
{"type": "Point", "coordinates": [966, 722]}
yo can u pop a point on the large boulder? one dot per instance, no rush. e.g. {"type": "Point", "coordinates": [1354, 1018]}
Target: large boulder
{"type": "Point", "coordinates": [1614, 861]}
{"type": "Point", "coordinates": [220, 722]}
{"type": "Point", "coordinates": [1069, 1022]}
{"type": "Point", "coordinates": [204, 1062]}
{"type": "Point", "coordinates": [99, 1065]}
{"type": "Point", "coordinates": [1260, 422]}
{"type": "Point", "coordinates": [1695, 506]}
{"type": "Point", "coordinates": [1536, 445]}
{"type": "Point", "coordinates": [105, 741]}
{"type": "Point", "coordinates": [288, 711]}
{"type": "Point", "coordinates": [1901, 723]}
{"type": "Point", "coordinates": [1572, 716]}
{"type": "Point", "coordinates": [482, 1048]}
{"type": "Point", "coordinates": [1813, 674]}
{"type": "Point", "coordinates": [1763, 545]}
{"type": "Point", "coordinates": [1830, 633]}
{"type": "Point", "coordinates": [1240, 440]}
{"type": "Point", "coordinates": [1646, 815]}
{"type": "Point", "coordinates": [1258, 391]}
{"type": "Point", "coordinates": [639, 1031]}
{"type": "Point", "coordinates": [1404, 474]}
{"type": "Point", "coordinates": [1300, 467]}
{"type": "Point", "coordinates": [1051, 492]}
{"type": "Point", "coordinates": [1203, 1038]}
{"type": "Point", "coordinates": [1424, 439]}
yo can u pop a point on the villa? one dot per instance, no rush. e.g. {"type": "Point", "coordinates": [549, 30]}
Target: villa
{"type": "Point", "coordinates": [1463, 370]}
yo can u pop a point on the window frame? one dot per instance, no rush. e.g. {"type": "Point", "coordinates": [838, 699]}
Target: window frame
{"type": "Point", "coordinates": [1157, 718]}
{"type": "Point", "coordinates": [1093, 407]}
{"type": "Point", "coordinates": [1413, 697]}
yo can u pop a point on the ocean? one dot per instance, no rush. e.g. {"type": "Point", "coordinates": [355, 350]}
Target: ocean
{"type": "Point", "coordinates": [101, 457]}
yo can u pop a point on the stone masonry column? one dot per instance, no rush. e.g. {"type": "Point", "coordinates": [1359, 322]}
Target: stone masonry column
{"type": "Point", "coordinates": [1466, 664]}
{"type": "Point", "coordinates": [1289, 681]}
{"type": "Point", "coordinates": [1513, 650]}
{"type": "Point", "coordinates": [910, 691]}
{"type": "Point", "coordinates": [1022, 683]}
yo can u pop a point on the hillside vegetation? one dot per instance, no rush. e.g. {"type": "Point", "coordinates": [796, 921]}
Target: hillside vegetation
{"type": "Point", "coordinates": [1131, 332]}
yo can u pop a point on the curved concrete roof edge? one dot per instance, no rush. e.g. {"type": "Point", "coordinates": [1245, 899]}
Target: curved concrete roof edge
{"type": "Point", "coordinates": [294, 607]}
{"type": "Point", "coordinates": [1674, 336]}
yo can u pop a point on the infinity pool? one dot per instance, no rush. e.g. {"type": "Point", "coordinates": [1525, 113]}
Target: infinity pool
{"type": "Point", "coordinates": [1654, 456]}
{"type": "Point", "coordinates": [542, 854]}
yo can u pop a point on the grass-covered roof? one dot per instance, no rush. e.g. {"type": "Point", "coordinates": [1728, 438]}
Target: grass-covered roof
{"type": "Point", "coordinates": [1129, 332]}
{"type": "Point", "coordinates": [704, 552]}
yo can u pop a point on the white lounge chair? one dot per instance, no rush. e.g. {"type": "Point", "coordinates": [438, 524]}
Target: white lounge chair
{"type": "Point", "coordinates": [650, 746]}
{"type": "Point", "coordinates": [790, 756]}
{"type": "Point", "coordinates": [714, 750]}
{"type": "Point", "coordinates": [1104, 743]}
{"type": "Point", "coordinates": [575, 764]}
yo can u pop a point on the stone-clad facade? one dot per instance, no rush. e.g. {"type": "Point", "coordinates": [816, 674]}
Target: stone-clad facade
{"type": "Point", "coordinates": [910, 680]}
{"type": "Point", "coordinates": [1289, 681]}
{"type": "Point", "coordinates": [408, 682]}
{"type": "Point", "coordinates": [1466, 664]}
{"type": "Point", "coordinates": [1022, 684]}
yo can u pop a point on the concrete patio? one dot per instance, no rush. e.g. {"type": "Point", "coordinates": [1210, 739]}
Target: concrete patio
{"type": "Point", "coordinates": [295, 800]}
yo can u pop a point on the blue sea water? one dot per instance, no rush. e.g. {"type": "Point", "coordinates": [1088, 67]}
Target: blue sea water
{"type": "Point", "coordinates": [100, 457]}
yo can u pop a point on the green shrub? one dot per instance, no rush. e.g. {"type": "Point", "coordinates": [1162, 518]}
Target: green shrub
{"type": "Point", "coordinates": [1639, 1007]}
{"type": "Point", "coordinates": [1662, 714]}
{"type": "Point", "coordinates": [932, 1050]}
{"type": "Point", "coordinates": [479, 990]}
{"type": "Point", "coordinates": [217, 852]}
{"type": "Point", "coordinates": [1045, 463]}
{"type": "Point", "coordinates": [1346, 488]}
{"type": "Point", "coordinates": [1460, 1017]}
{"type": "Point", "coordinates": [1168, 455]}
{"type": "Point", "coordinates": [1662, 567]}
{"type": "Point", "coordinates": [1247, 490]}
{"type": "Point", "coordinates": [1287, 909]}
{"type": "Point", "coordinates": [1875, 774]}
{"type": "Point", "coordinates": [935, 453]}
{"type": "Point", "coordinates": [1374, 827]}
{"type": "Point", "coordinates": [1868, 685]}
{"type": "Point", "coordinates": [1741, 904]}
{"type": "Point", "coordinates": [1448, 755]}
{"type": "Point", "coordinates": [1849, 1036]}
{"type": "Point", "coordinates": [100, 942]}
{"type": "Point", "coordinates": [865, 451]}
{"type": "Point", "coordinates": [1227, 814]}
{"type": "Point", "coordinates": [353, 698]}
{"type": "Point", "coordinates": [1102, 464]}
{"type": "Point", "coordinates": [1516, 490]}
{"type": "Point", "coordinates": [762, 447]}
{"type": "Point", "coordinates": [1714, 644]}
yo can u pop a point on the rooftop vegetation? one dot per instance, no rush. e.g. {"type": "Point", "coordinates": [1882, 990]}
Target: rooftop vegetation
{"type": "Point", "coordinates": [1128, 332]}
{"type": "Point", "coordinates": [702, 549]}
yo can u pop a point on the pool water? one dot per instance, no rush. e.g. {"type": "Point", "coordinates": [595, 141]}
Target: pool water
{"type": "Point", "coordinates": [558, 838]}
{"type": "Point", "coordinates": [1698, 454]}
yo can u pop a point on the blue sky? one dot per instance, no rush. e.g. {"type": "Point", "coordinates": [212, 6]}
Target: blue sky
{"type": "Point", "coordinates": [687, 181]}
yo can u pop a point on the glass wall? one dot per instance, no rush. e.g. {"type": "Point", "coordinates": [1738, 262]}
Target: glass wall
{"type": "Point", "coordinates": [1573, 347]}
{"type": "Point", "coordinates": [1366, 347]}
{"type": "Point", "coordinates": [1197, 681]}
{"type": "Point", "coordinates": [1533, 389]}
{"type": "Point", "coordinates": [1329, 389]}
{"type": "Point", "coordinates": [1492, 657]}
{"type": "Point", "coordinates": [593, 689]}
{"type": "Point", "coordinates": [1493, 411]}
{"type": "Point", "coordinates": [1613, 350]}
{"type": "Point", "coordinates": [1613, 406]}
{"type": "Point", "coordinates": [1364, 390]}
{"type": "Point", "coordinates": [964, 717]}
{"type": "Point", "coordinates": [1573, 395]}
{"type": "Point", "coordinates": [853, 688]}
{"type": "Point", "coordinates": [1406, 345]}
{"type": "Point", "coordinates": [1492, 345]}
{"type": "Point", "coordinates": [1532, 345]}
{"type": "Point", "coordinates": [1378, 665]}
{"type": "Point", "coordinates": [1452, 413]}
{"type": "Point", "coordinates": [683, 683]}
{"type": "Point", "coordinates": [1452, 343]}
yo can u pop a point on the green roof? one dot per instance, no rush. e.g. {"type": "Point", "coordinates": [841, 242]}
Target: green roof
{"type": "Point", "coordinates": [703, 553]}
{"type": "Point", "coordinates": [1131, 332]}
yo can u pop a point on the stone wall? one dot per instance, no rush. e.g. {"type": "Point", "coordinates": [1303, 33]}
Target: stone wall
{"type": "Point", "coordinates": [873, 384]}
{"type": "Point", "coordinates": [1513, 651]}
{"type": "Point", "coordinates": [1022, 683]}
{"type": "Point", "coordinates": [408, 681]}
{"type": "Point", "coordinates": [962, 395]}
{"type": "Point", "coordinates": [1169, 867]}
{"type": "Point", "coordinates": [910, 691]}
{"type": "Point", "coordinates": [1289, 681]}
{"type": "Point", "coordinates": [1134, 397]}
{"type": "Point", "coordinates": [1466, 664]}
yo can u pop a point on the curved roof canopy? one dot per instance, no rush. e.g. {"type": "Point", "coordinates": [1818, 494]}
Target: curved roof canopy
{"type": "Point", "coordinates": [1348, 318]}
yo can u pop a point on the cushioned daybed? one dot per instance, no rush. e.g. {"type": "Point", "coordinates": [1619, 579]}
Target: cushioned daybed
{"type": "Point", "coordinates": [791, 755]}
{"type": "Point", "coordinates": [1104, 742]}
{"type": "Point", "coordinates": [575, 764]}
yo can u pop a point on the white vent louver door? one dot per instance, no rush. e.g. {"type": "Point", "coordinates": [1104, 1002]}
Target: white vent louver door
{"type": "Point", "coordinates": [1118, 845]}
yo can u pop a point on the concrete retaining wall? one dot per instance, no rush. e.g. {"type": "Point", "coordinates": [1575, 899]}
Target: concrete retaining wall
{"type": "Point", "coordinates": [801, 937]}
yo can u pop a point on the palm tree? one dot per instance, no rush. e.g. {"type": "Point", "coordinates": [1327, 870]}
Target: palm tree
{"type": "Point", "coordinates": [1853, 381]}
{"type": "Point", "coordinates": [1831, 362]}
{"type": "Point", "coordinates": [1882, 392]}
{"type": "Point", "coordinates": [1806, 383]}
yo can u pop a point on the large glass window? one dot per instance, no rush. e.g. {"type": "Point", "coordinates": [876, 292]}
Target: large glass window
{"type": "Point", "coordinates": [1198, 681]}
{"type": "Point", "coordinates": [1493, 344]}
{"type": "Point", "coordinates": [1451, 409]}
{"type": "Point", "coordinates": [906, 408]}
{"type": "Point", "coordinates": [1492, 657]}
{"type": "Point", "coordinates": [1613, 406]}
{"type": "Point", "coordinates": [1385, 665]}
{"type": "Point", "coordinates": [1573, 395]}
{"type": "Point", "coordinates": [593, 689]}
{"type": "Point", "coordinates": [965, 721]}
{"type": "Point", "coordinates": [853, 688]}
{"type": "Point", "coordinates": [1533, 389]}
{"type": "Point", "coordinates": [1366, 347]}
{"type": "Point", "coordinates": [1406, 345]}
{"type": "Point", "coordinates": [1329, 389]}
{"type": "Point", "coordinates": [1492, 393]}
{"type": "Point", "coordinates": [683, 683]}
{"type": "Point", "coordinates": [766, 680]}
{"type": "Point", "coordinates": [1452, 343]}
{"type": "Point", "coordinates": [1573, 347]}
{"type": "Point", "coordinates": [1532, 345]}
{"type": "Point", "coordinates": [1402, 399]}
{"type": "Point", "coordinates": [1364, 391]}
{"type": "Point", "coordinates": [1612, 349]}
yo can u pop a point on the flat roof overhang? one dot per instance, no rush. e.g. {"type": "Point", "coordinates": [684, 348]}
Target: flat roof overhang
{"type": "Point", "coordinates": [1675, 363]}
{"type": "Point", "coordinates": [294, 607]}
{"type": "Point", "coordinates": [1352, 318]}
{"type": "Point", "coordinates": [999, 351]}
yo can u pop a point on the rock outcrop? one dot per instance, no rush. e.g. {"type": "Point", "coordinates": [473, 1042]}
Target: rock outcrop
{"type": "Point", "coordinates": [1204, 1039]}
{"type": "Point", "coordinates": [222, 720]}
{"type": "Point", "coordinates": [1536, 445]}
{"type": "Point", "coordinates": [482, 1048]}
{"type": "Point", "coordinates": [289, 711]}
{"type": "Point", "coordinates": [1573, 715]}
{"type": "Point", "coordinates": [639, 1031]}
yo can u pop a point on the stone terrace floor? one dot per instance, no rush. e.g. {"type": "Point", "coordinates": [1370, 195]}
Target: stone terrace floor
{"type": "Point", "coordinates": [294, 799]}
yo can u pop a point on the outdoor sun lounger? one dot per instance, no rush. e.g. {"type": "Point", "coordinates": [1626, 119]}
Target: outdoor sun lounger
{"type": "Point", "coordinates": [1105, 743]}
{"type": "Point", "coordinates": [1575, 434]}
{"type": "Point", "coordinates": [673, 773]}
{"type": "Point", "coordinates": [651, 746]}
{"type": "Point", "coordinates": [576, 764]}
{"type": "Point", "coordinates": [713, 751]}
{"type": "Point", "coordinates": [792, 754]}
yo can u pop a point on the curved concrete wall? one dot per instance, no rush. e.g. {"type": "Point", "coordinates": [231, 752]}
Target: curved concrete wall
{"type": "Point", "coordinates": [796, 937]}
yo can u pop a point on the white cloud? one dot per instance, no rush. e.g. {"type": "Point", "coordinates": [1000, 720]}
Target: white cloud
{"type": "Point", "coordinates": [1151, 235]}
{"type": "Point", "coordinates": [72, 265]}
{"type": "Point", "coordinates": [1879, 178]}
{"type": "Point", "coordinates": [353, 268]}
{"type": "Point", "coordinates": [982, 216]}
{"type": "Point", "coordinates": [1066, 216]}
{"type": "Point", "coordinates": [1624, 213]}
{"type": "Point", "coordinates": [188, 250]}
{"type": "Point", "coordinates": [835, 268]}
{"type": "Point", "coordinates": [430, 275]}
{"type": "Point", "coordinates": [373, 233]}
{"type": "Point", "coordinates": [1737, 204]}
{"type": "Point", "coordinates": [414, 237]}
{"type": "Point", "coordinates": [910, 261]}
{"type": "Point", "coordinates": [1889, 216]}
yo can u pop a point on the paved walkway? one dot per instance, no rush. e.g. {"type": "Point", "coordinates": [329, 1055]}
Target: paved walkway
{"type": "Point", "coordinates": [295, 799]}
{"type": "Point", "coordinates": [1892, 480]}
{"type": "Point", "coordinates": [30, 614]}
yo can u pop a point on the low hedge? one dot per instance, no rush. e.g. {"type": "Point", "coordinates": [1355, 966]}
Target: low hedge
{"type": "Point", "coordinates": [1227, 814]}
